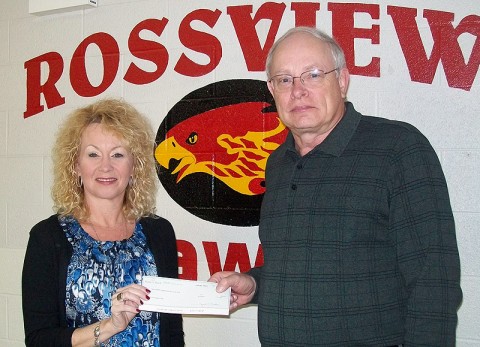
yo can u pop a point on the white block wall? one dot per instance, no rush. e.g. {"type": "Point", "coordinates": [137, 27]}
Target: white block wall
{"type": "Point", "coordinates": [449, 117]}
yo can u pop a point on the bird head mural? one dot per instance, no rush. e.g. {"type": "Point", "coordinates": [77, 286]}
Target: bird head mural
{"type": "Point", "coordinates": [212, 149]}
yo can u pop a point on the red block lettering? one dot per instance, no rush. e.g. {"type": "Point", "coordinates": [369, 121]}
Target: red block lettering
{"type": "Point", "coordinates": [254, 54]}
{"type": "Point", "coordinates": [345, 33]}
{"type": "Point", "coordinates": [199, 42]}
{"type": "Point", "coordinates": [213, 256]}
{"type": "Point", "coordinates": [147, 50]}
{"type": "Point", "coordinates": [237, 254]}
{"type": "Point", "coordinates": [111, 58]}
{"type": "Point", "coordinates": [305, 13]}
{"type": "Point", "coordinates": [445, 48]}
{"type": "Point", "coordinates": [34, 83]}
{"type": "Point", "coordinates": [187, 260]}
{"type": "Point", "coordinates": [259, 260]}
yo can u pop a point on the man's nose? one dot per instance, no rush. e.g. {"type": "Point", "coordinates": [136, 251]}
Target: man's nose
{"type": "Point", "coordinates": [298, 88]}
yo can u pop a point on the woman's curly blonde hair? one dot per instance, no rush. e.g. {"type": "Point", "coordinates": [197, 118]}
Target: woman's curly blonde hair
{"type": "Point", "coordinates": [125, 122]}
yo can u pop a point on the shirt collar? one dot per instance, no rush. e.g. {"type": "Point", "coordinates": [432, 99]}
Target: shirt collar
{"type": "Point", "coordinates": [339, 137]}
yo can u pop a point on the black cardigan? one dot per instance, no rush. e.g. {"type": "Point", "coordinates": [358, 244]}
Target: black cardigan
{"type": "Point", "coordinates": [44, 278]}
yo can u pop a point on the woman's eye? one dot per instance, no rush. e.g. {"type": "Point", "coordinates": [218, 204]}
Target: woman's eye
{"type": "Point", "coordinates": [118, 155]}
{"type": "Point", "coordinates": [92, 155]}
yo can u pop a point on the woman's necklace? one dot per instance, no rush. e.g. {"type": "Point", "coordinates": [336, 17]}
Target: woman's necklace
{"type": "Point", "coordinates": [98, 237]}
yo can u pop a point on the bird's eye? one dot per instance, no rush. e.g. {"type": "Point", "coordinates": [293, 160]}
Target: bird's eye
{"type": "Point", "coordinates": [192, 139]}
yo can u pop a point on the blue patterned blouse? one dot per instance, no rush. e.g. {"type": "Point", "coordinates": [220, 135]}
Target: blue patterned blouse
{"type": "Point", "coordinates": [96, 270]}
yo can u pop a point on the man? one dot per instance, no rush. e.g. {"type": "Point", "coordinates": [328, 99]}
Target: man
{"type": "Point", "coordinates": [356, 224]}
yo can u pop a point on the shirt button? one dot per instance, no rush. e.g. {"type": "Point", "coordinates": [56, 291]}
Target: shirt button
{"type": "Point", "coordinates": [294, 187]}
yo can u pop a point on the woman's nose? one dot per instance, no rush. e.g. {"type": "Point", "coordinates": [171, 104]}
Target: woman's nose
{"type": "Point", "coordinates": [106, 163]}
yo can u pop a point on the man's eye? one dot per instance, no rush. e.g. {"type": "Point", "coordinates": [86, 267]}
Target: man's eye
{"type": "Point", "coordinates": [284, 80]}
{"type": "Point", "coordinates": [314, 75]}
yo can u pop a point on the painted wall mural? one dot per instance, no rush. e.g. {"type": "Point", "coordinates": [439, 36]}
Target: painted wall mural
{"type": "Point", "coordinates": [422, 66]}
{"type": "Point", "coordinates": [212, 145]}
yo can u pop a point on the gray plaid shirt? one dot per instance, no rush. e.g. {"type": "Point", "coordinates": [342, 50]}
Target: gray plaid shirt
{"type": "Point", "coordinates": [359, 241]}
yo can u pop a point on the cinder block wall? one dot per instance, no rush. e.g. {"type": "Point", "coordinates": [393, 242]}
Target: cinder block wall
{"type": "Point", "coordinates": [447, 115]}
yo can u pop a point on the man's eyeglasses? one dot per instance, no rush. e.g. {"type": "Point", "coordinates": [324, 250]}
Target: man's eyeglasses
{"type": "Point", "coordinates": [310, 78]}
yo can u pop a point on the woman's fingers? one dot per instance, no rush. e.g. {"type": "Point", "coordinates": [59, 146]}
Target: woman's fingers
{"type": "Point", "coordinates": [133, 295]}
{"type": "Point", "coordinates": [125, 302]}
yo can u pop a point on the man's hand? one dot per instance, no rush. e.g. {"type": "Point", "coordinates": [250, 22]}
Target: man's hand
{"type": "Point", "coordinates": [243, 286]}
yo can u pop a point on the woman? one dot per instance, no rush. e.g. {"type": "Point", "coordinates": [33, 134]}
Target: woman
{"type": "Point", "coordinates": [81, 282]}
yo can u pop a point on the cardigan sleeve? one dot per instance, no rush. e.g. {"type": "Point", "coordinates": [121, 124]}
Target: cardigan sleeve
{"type": "Point", "coordinates": [40, 291]}
{"type": "Point", "coordinates": [163, 244]}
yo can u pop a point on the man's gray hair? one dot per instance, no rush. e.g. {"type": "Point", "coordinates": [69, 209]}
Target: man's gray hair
{"type": "Point", "coordinates": [337, 51]}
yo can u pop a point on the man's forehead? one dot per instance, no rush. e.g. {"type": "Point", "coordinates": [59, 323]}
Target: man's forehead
{"type": "Point", "coordinates": [302, 49]}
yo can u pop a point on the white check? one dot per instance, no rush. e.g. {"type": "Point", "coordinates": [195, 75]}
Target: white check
{"type": "Point", "coordinates": [170, 295]}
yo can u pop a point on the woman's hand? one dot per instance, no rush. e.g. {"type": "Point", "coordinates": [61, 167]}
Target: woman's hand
{"type": "Point", "coordinates": [125, 303]}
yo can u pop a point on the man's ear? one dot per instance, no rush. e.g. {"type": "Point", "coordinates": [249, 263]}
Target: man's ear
{"type": "Point", "coordinates": [270, 88]}
{"type": "Point", "coordinates": [344, 81]}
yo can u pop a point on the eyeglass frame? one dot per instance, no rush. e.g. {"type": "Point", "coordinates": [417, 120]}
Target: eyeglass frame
{"type": "Point", "coordinates": [270, 80]}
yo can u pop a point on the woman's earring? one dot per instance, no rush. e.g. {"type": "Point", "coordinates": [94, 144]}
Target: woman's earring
{"type": "Point", "coordinates": [79, 182]}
